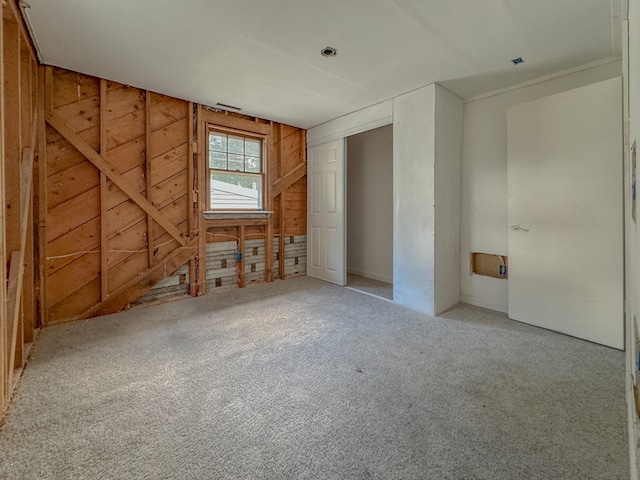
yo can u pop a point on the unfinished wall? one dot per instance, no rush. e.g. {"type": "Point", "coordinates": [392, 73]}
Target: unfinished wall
{"type": "Point", "coordinates": [18, 160]}
{"type": "Point", "coordinates": [370, 204]}
{"type": "Point", "coordinates": [117, 197]}
{"type": "Point", "coordinates": [122, 218]}
{"type": "Point", "coordinates": [484, 178]}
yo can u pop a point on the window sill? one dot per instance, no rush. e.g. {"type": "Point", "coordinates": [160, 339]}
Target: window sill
{"type": "Point", "coordinates": [234, 215]}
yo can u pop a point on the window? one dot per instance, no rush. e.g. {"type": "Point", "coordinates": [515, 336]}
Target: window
{"type": "Point", "coordinates": [236, 171]}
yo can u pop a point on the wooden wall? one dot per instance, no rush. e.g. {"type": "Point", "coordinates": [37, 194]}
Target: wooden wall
{"type": "Point", "coordinates": [120, 205]}
{"type": "Point", "coordinates": [18, 159]}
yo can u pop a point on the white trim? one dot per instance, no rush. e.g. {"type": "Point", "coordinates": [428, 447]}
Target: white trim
{"type": "Point", "coordinates": [544, 78]}
{"type": "Point", "coordinates": [368, 118]}
{"type": "Point", "coordinates": [372, 276]}
{"type": "Point", "coordinates": [481, 302]}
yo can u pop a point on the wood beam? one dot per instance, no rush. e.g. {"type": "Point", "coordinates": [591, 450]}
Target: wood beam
{"type": "Point", "coordinates": [147, 172]}
{"type": "Point", "coordinates": [105, 166]}
{"type": "Point", "coordinates": [104, 235]}
{"type": "Point", "coordinates": [291, 177]}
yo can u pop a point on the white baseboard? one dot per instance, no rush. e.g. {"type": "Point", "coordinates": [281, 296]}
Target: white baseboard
{"type": "Point", "coordinates": [481, 302]}
{"type": "Point", "coordinates": [372, 276]}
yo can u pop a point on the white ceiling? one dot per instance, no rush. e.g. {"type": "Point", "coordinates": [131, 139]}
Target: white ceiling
{"type": "Point", "coordinates": [264, 55]}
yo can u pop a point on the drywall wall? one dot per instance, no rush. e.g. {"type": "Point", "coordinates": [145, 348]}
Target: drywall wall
{"type": "Point", "coordinates": [632, 271]}
{"type": "Point", "coordinates": [426, 172]}
{"type": "Point", "coordinates": [448, 165]}
{"type": "Point", "coordinates": [413, 200]}
{"type": "Point", "coordinates": [484, 178]}
{"type": "Point", "coordinates": [370, 204]}
{"type": "Point", "coordinates": [360, 121]}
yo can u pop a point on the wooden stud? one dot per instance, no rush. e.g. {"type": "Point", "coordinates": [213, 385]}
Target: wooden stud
{"type": "Point", "coordinates": [241, 248]}
{"type": "Point", "coordinates": [201, 199]}
{"type": "Point", "coordinates": [191, 195]}
{"type": "Point", "coordinates": [4, 366]}
{"type": "Point", "coordinates": [291, 177]}
{"type": "Point", "coordinates": [104, 235]}
{"type": "Point", "coordinates": [106, 167]}
{"type": "Point", "coordinates": [42, 196]}
{"type": "Point", "coordinates": [147, 172]}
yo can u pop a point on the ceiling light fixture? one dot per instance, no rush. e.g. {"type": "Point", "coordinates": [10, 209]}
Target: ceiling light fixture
{"type": "Point", "coordinates": [518, 60]}
{"type": "Point", "coordinates": [328, 52]}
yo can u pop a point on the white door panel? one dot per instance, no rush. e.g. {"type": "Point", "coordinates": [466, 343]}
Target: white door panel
{"type": "Point", "coordinates": [565, 213]}
{"type": "Point", "coordinates": [326, 218]}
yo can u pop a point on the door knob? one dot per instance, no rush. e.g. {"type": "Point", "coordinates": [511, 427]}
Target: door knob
{"type": "Point", "coordinates": [518, 227]}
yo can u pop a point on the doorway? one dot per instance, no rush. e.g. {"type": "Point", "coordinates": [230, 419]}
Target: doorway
{"type": "Point", "coordinates": [369, 207]}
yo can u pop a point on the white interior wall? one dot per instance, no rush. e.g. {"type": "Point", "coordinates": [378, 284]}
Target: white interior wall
{"type": "Point", "coordinates": [632, 260]}
{"type": "Point", "coordinates": [427, 145]}
{"type": "Point", "coordinates": [448, 165]}
{"type": "Point", "coordinates": [370, 204]}
{"type": "Point", "coordinates": [484, 224]}
{"type": "Point", "coordinates": [413, 199]}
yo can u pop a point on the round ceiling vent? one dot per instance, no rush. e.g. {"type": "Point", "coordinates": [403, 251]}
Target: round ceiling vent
{"type": "Point", "coordinates": [328, 52]}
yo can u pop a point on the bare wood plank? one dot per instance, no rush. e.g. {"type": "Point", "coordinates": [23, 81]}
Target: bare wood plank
{"type": "Point", "coordinates": [80, 301]}
{"type": "Point", "coordinates": [72, 87]}
{"type": "Point", "coordinates": [241, 248]}
{"type": "Point", "coordinates": [4, 360]}
{"type": "Point", "coordinates": [104, 235]}
{"type": "Point", "coordinates": [108, 169]}
{"type": "Point", "coordinates": [229, 121]}
{"type": "Point", "coordinates": [123, 101]}
{"type": "Point", "coordinates": [289, 178]}
{"type": "Point", "coordinates": [73, 277]}
{"type": "Point", "coordinates": [281, 239]}
{"type": "Point", "coordinates": [13, 308]}
{"type": "Point", "coordinates": [81, 115]}
{"type": "Point", "coordinates": [125, 129]}
{"type": "Point", "coordinates": [201, 196]}
{"type": "Point", "coordinates": [73, 213]}
{"type": "Point", "coordinates": [169, 137]}
{"type": "Point", "coordinates": [133, 289]}
{"type": "Point", "coordinates": [147, 173]}
{"type": "Point", "coordinates": [191, 197]}
{"type": "Point", "coordinates": [85, 238]}
{"type": "Point", "coordinates": [168, 111]}
{"type": "Point", "coordinates": [15, 289]}
{"type": "Point", "coordinates": [42, 195]}
{"type": "Point", "coordinates": [170, 163]}
{"type": "Point", "coordinates": [71, 182]}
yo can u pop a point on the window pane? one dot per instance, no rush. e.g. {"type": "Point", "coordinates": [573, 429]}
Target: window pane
{"type": "Point", "coordinates": [233, 191]}
{"type": "Point", "coordinates": [252, 147]}
{"type": "Point", "coordinates": [253, 164]}
{"type": "Point", "coordinates": [218, 160]}
{"type": "Point", "coordinates": [217, 142]}
{"type": "Point", "coordinates": [236, 163]}
{"type": "Point", "coordinates": [236, 145]}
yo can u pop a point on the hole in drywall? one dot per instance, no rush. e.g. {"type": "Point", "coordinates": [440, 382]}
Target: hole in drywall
{"type": "Point", "coordinates": [489, 265]}
{"type": "Point", "coordinates": [517, 61]}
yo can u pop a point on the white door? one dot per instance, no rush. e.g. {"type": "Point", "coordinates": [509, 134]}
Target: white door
{"type": "Point", "coordinates": [565, 213]}
{"type": "Point", "coordinates": [326, 213]}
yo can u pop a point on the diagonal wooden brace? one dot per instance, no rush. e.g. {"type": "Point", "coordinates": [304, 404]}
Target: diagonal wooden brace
{"type": "Point", "coordinates": [105, 166]}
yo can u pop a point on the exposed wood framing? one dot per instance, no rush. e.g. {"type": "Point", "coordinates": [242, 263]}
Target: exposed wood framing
{"type": "Point", "coordinates": [108, 169]}
{"type": "Point", "coordinates": [18, 133]}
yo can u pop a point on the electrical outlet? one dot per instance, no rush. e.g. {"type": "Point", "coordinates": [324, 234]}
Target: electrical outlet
{"type": "Point", "coordinates": [503, 269]}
